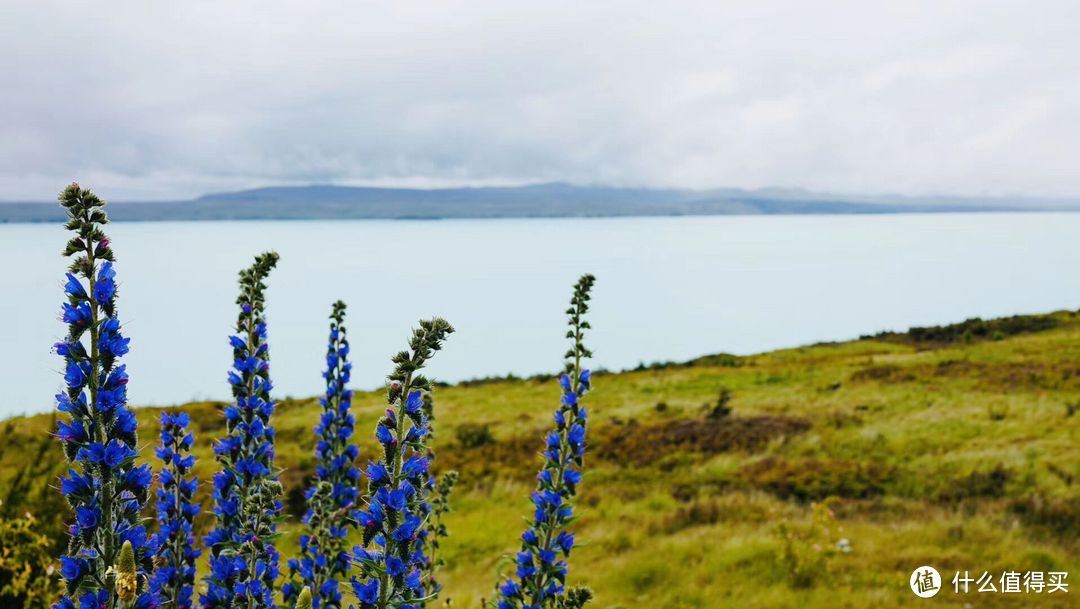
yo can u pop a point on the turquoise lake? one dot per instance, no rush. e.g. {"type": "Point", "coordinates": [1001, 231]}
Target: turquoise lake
{"type": "Point", "coordinates": [667, 289]}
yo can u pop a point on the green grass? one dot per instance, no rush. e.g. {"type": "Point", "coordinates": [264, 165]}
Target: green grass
{"type": "Point", "coordinates": [953, 447]}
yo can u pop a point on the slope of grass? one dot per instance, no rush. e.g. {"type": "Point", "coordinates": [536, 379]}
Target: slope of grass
{"type": "Point", "coordinates": [954, 447]}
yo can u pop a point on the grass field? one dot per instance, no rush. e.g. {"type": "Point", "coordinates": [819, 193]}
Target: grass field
{"type": "Point", "coordinates": [955, 447]}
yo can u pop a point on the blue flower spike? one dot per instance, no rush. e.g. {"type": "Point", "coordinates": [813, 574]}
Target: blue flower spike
{"type": "Point", "coordinates": [247, 494]}
{"type": "Point", "coordinates": [109, 556]}
{"type": "Point", "coordinates": [174, 580]}
{"type": "Point", "coordinates": [540, 566]}
{"type": "Point", "coordinates": [392, 561]}
{"type": "Point", "coordinates": [325, 560]}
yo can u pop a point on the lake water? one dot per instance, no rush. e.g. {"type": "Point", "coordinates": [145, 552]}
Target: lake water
{"type": "Point", "coordinates": [667, 288]}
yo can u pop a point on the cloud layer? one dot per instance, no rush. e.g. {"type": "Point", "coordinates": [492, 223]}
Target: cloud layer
{"type": "Point", "coordinates": [165, 100]}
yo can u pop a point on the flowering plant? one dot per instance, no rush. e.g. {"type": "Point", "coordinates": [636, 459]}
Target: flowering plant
{"type": "Point", "coordinates": [173, 581]}
{"type": "Point", "coordinates": [324, 559]}
{"type": "Point", "coordinates": [391, 558]}
{"type": "Point", "coordinates": [104, 485]}
{"type": "Point", "coordinates": [541, 573]}
{"type": "Point", "coordinates": [247, 494]}
{"type": "Point", "coordinates": [110, 563]}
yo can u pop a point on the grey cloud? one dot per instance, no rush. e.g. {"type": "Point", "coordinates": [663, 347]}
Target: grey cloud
{"type": "Point", "coordinates": [160, 100]}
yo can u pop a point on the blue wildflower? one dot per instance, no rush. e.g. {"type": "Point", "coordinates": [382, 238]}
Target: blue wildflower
{"type": "Point", "coordinates": [394, 566]}
{"type": "Point", "coordinates": [88, 517]}
{"type": "Point", "coordinates": [105, 286]}
{"type": "Point", "coordinates": [137, 479]}
{"type": "Point", "coordinates": [77, 315]}
{"type": "Point", "coordinates": [407, 531]}
{"type": "Point", "coordinates": [377, 474]}
{"type": "Point", "coordinates": [324, 561]}
{"type": "Point", "coordinates": [173, 582]}
{"type": "Point", "coordinates": [77, 484]}
{"type": "Point", "coordinates": [77, 373]}
{"type": "Point", "coordinates": [539, 571]}
{"type": "Point", "coordinates": [414, 582]}
{"type": "Point", "coordinates": [75, 289]}
{"type": "Point", "coordinates": [385, 436]}
{"type": "Point", "coordinates": [366, 593]}
{"type": "Point", "coordinates": [73, 569]}
{"type": "Point", "coordinates": [71, 432]}
{"type": "Point", "coordinates": [94, 600]}
{"type": "Point", "coordinates": [565, 541]}
{"type": "Point", "coordinates": [510, 588]}
{"type": "Point", "coordinates": [396, 500]}
{"type": "Point", "coordinates": [111, 342]}
{"type": "Point", "coordinates": [413, 403]}
{"type": "Point", "coordinates": [246, 490]}
{"type": "Point", "coordinates": [105, 486]}
{"type": "Point", "coordinates": [393, 537]}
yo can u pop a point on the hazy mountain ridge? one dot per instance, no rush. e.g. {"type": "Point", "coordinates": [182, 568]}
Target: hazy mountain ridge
{"type": "Point", "coordinates": [534, 201]}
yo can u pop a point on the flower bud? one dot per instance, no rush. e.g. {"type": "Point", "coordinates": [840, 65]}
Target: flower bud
{"type": "Point", "coordinates": [127, 578]}
{"type": "Point", "coordinates": [304, 601]}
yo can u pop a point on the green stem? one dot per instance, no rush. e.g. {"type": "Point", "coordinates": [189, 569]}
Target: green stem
{"type": "Point", "coordinates": [252, 561]}
{"type": "Point", "coordinates": [105, 537]}
{"type": "Point", "coordinates": [177, 541]}
{"type": "Point", "coordinates": [406, 386]}
{"type": "Point", "coordinates": [564, 441]}
{"type": "Point", "coordinates": [250, 386]}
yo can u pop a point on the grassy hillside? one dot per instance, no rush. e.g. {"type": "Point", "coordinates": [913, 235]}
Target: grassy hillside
{"type": "Point", "coordinates": [953, 446]}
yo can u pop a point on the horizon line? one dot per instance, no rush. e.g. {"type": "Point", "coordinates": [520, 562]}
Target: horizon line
{"type": "Point", "coordinates": [790, 191]}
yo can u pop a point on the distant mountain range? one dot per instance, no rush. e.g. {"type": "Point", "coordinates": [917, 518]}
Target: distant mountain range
{"type": "Point", "coordinates": [536, 201]}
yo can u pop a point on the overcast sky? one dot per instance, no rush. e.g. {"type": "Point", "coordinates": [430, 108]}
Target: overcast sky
{"type": "Point", "coordinates": [170, 99]}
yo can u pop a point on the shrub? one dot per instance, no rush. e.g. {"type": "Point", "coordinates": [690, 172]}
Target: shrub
{"type": "Point", "coordinates": [34, 485]}
{"type": "Point", "coordinates": [997, 412]}
{"type": "Point", "coordinates": [697, 513]}
{"type": "Point", "coordinates": [719, 360]}
{"type": "Point", "coordinates": [644, 444]}
{"type": "Point", "coordinates": [977, 484]}
{"type": "Point", "coordinates": [722, 406]}
{"type": "Point", "coordinates": [817, 479]}
{"type": "Point", "coordinates": [972, 329]}
{"type": "Point", "coordinates": [806, 551]}
{"type": "Point", "coordinates": [473, 435]}
{"type": "Point", "coordinates": [27, 577]}
{"type": "Point", "coordinates": [1058, 517]}
{"type": "Point", "coordinates": [885, 373]}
